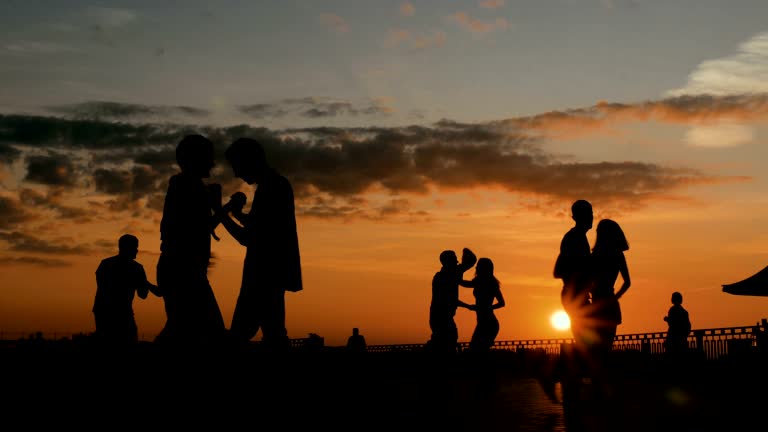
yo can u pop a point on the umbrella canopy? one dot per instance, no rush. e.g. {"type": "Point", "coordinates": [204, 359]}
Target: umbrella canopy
{"type": "Point", "coordinates": [755, 285]}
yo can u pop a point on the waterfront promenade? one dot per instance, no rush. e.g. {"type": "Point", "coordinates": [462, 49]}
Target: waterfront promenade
{"type": "Point", "coordinates": [328, 388]}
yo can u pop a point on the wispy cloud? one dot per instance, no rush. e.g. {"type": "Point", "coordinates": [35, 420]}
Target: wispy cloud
{"type": "Point", "coordinates": [122, 111]}
{"type": "Point", "coordinates": [741, 73]}
{"type": "Point", "coordinates": [745, 72]}
{"type": "Point", "coordinates": [407, 9]}
{"type": "Point", "coordinates": [491, 4]}
{"type": "Point", "coordinates": [108, 18]}
{"type": "Point", "coordinates": [334, 23]}
{"type": "Point", "coordinates": [401, 37]}
{"type": "Point", "coordinates": [317, 107]}
{"type": "Point", "coordinates": [15, 261]}
{"type": "Point", "coordinates": [477, 26]}
{"type": "Point", "coordinates": [38, 47]}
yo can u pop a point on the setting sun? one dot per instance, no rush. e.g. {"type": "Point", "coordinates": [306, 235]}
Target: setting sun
{"type": "Point", "coordinates": [560, 320]}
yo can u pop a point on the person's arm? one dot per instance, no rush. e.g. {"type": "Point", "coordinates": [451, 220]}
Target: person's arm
{"type": "Point", "coordinates": [468, 259]}
{"type": "Point", "coordinates": [466, 283]}
{"type": "Point", "coordinates": [234, 207]}
{"type": "Point", "coordinates": [500, 303]}
{"type": "Point", "coordinates": [624, 270]}
{"type": "Point", "coordinates": [142, 286]}
{"type": "Point", "coordinates": [466, 305]}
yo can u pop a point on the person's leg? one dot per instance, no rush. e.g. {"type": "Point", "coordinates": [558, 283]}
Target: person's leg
{"type": "Point", "coordinates": [275, 334]}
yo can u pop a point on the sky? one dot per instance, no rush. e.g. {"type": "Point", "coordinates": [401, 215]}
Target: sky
{"type": "Point", "coordinates": [406, 128]}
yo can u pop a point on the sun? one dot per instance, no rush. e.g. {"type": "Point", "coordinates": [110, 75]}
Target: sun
{"type": "Point", "coordinates": [560, 320]}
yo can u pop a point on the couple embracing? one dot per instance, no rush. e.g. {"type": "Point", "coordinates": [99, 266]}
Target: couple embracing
{"type": "Point", "coordinates": [191, 212]}
{"type": "Point", "coordinates": [588, 294]}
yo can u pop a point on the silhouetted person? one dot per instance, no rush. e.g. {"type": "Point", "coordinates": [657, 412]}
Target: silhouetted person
{"type": "Point", "coordinates": [272, 260]}
{"type": "Point", "coordinates": [572, 267]}
{"type": "Point", "coordinates": [118, 279]}
{"type": "Point", "coordinates": [608, 262]}
{"type": "Point", "coordinates": [193, 315]}
{"type": "Point", "coordinates": [356, 342]}
{"type": "Point", "coordinates": [445, 300]}
{"type": "Point", "coordinates": [679, 326]}
{"type": "Point", "coordinates": [488, 298]}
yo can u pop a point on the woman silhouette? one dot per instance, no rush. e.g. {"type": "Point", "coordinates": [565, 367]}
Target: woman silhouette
{"type": "Point", "coordinates": [487, 289]}
{"type": "Point", "coordinates": [608, 261]}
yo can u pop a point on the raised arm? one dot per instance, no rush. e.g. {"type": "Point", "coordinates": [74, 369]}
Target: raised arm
{"type": "Point", "coordinates": [468, 259]}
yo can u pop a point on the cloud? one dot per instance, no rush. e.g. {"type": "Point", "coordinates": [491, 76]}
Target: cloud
{"type": "Point", "coordinates": [317, 107]}
{"type": "Point", "coordinates": [491, 4]}
{"type": "Point", "coordinates": [8, 153]}
{"type": "Point", "coordinates": [38, 47]}
{"type": "Point", "coordinates": [742, 73]}
{"type": "Point", "coordinates": [745, 72]}
{"type": "Point", "coordinates": [110, 17]}
{"type": "Point", "coordinates": [6, 261]}
{"type": "Point", "coordinates": [476, 26]}
{"type": "Point", "coordinates": [117, 111]}
{"type": "Point", "coordinates": [437, 39]}
{"type": "Point", "coordinates": [682, 110]}
{"type": "Point", "coordinates": [51, 170]}
{"type": "Point", "coordinates": [334, 23]}
{"type": "Point", "coordinates": [130, 163]}
{"type": "Point", "coordinates": [11, 213]}
{"type": "Point", "coordinates": [721, 134]}
{"type": "Point", "coordinates": [401, 37]}
{"type": "Point", "coordinates": [407, 9]}
{"type": "Point", "coordinates": [20, 242]}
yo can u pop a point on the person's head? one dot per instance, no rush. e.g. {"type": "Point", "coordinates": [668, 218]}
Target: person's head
{"type": "Point", "coordinates": [581, 212]}
{"type": "Point", "coordinates": [128, 246]}
{"type": "Point", "coordinates": [448, 258]}
{"type": "Point", "coordinates": [355, 331]}
{"type": "Point", "coordinates": [247, 158]}
{"type": "Point", "coordinates": [677, 298]}
{"type": "Point", "coordinates": [194, 155]}
{"type": "Point", "coordinates": [610, 237]}
{"type": "Point", "coordinates": [484, 267]}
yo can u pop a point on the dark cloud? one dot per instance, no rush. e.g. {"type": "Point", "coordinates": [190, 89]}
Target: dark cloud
{"type": "Point", "coordinates": [104, 110]}
{"type": "Point", "coordinates": [133, 161]}
{"type": "Point", "coordinates": [20, 242]}
{"type": "Point", "coordinates": [52, 170]}
{"type": "Point", "coordinates": [33, 261]}
{"type": "Point", "coordinates": [11, 213]}
{"type": "Point", "coordinates": [54, 199]}
{"type": "Point", "coordinates": [8, 154]}
{"type": "Point", "coordinates": [311, 107]}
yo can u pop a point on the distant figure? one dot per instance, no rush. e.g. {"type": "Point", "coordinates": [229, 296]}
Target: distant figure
{"type": "Point", "coordinates": [488, 297]}
{"type": "Point", "coordinates": [193, 315]}
{"type": "Point", "coordinates": [272, 260]}
{"type": "Point", "coordinates": [679, 326]}
{"type": "Point", "coordinates": [445, 300]}
{"type": "Point", "coordinates": [118, 279]}
{"type": "Point", "coordinates": [356, 342]}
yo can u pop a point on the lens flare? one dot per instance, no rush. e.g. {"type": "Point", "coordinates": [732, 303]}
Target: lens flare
{"type": "Point", "coordinates": [560, 320]}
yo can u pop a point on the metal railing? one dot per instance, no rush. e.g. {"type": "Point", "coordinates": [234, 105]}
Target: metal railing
{"type": "Point", "coordinates": [713, 343]}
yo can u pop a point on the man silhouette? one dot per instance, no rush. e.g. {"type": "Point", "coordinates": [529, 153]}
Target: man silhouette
{"type": "Point", "coordinates": [445, 300]}
{"type": "Point", "coordinates": [572, 267]}
{"type": "Point", "coordinates": [193, 314]}
{"type": "Point", "coordinates": [356, 342]}
{"type": "Point", "coordinates": [272, 260]}
{"type": "Point", "coordinates": [118, 279]}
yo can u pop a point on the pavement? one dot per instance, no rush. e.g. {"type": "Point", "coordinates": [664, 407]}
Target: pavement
{"type": "Point", "coordinates": [381, 391]}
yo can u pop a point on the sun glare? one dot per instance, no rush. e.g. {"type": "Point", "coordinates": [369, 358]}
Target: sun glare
{"type": "Point", "coordinates": [560, 320]}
